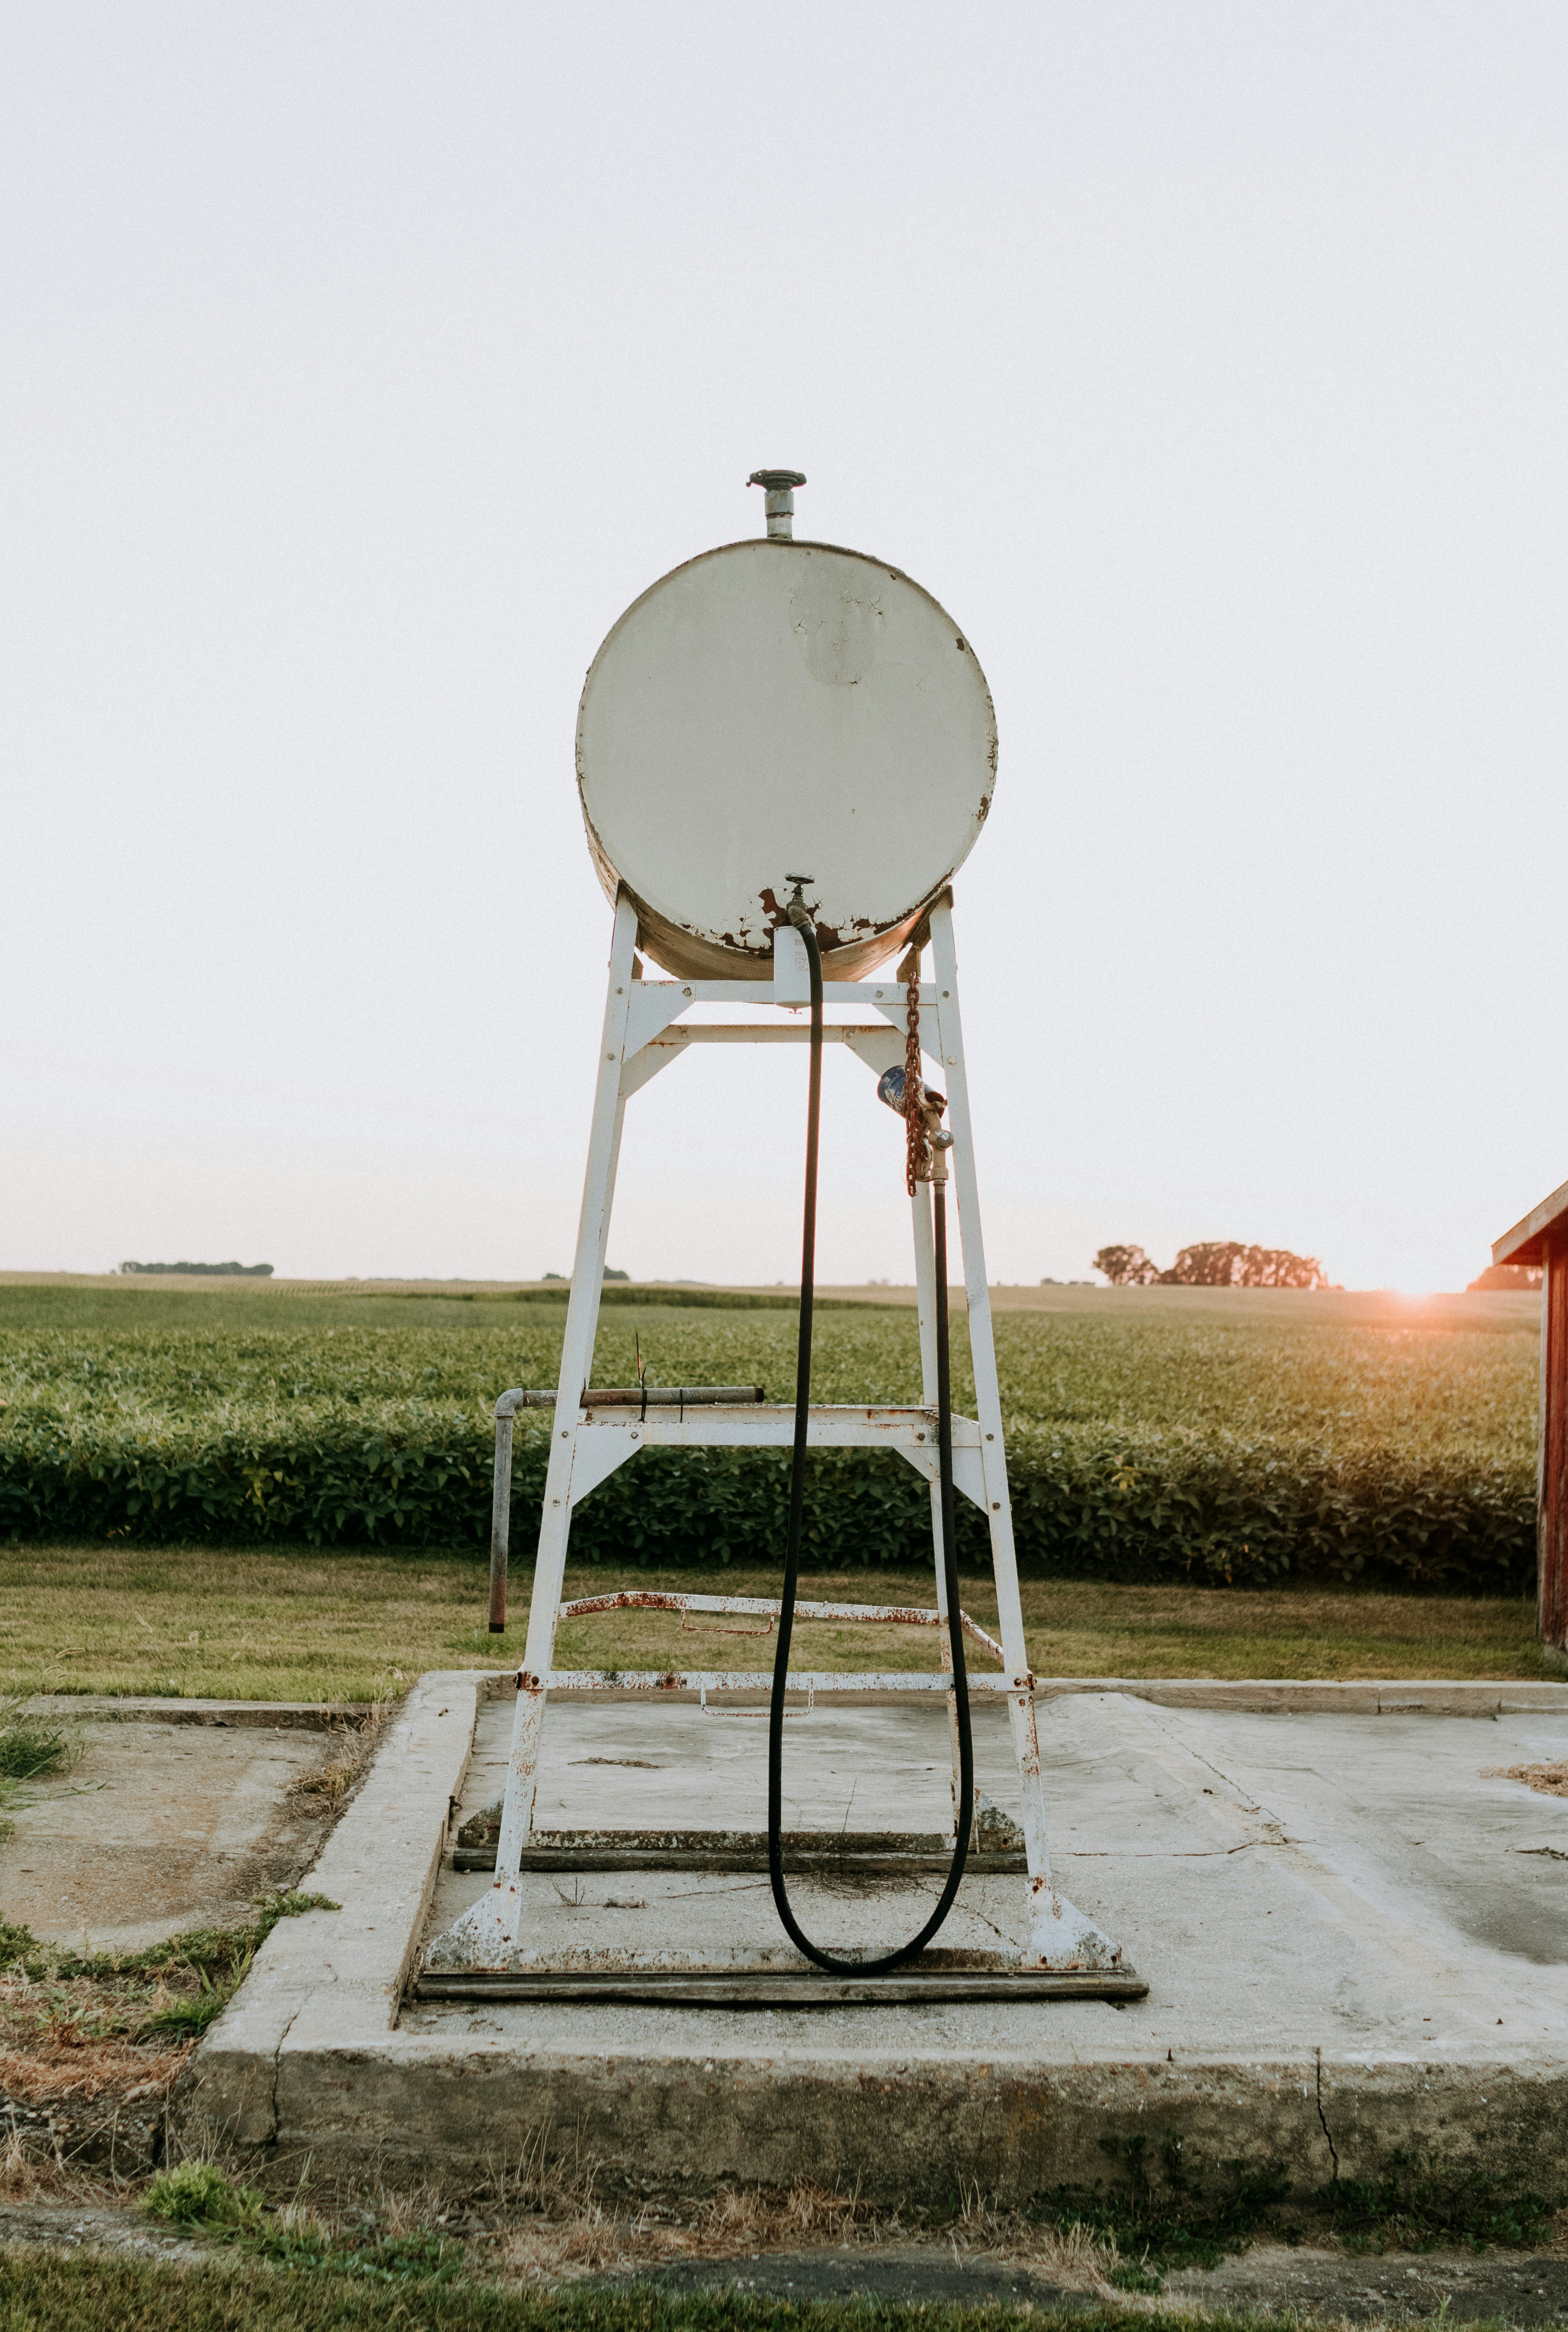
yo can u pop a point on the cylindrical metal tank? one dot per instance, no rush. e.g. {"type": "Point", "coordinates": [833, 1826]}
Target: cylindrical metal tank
{"type": "Point", "coordinates": [774, 709]}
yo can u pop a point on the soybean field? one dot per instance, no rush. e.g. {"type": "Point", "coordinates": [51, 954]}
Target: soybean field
{"type": "Point", "coordinates": [1264, 1448]}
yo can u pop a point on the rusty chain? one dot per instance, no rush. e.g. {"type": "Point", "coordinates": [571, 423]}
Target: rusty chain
{"type": "Point", "coordinates": [914, 1087]}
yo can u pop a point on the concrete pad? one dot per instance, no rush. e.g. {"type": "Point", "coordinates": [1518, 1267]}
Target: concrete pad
{"type": "Point", "coordinates": [637, 1765]}
{"type": "Point", "coordinates": [1352, 1938]}
{"type": "Point", "coordinates": [159, 1827]}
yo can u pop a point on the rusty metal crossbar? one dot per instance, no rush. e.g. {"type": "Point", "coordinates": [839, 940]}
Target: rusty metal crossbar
{"type": "Point", "coordinates": [778, 1987]}
{"type": "Point", "coordinates": [761, 1607]}
{"type": "Point", "coordinates": [863, 1682]}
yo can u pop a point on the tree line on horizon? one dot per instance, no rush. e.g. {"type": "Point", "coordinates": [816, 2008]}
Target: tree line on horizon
{"type": "Point", "coordinates": [1213, 1263]}
{"type": "Point", "coordinates": [208, 1270]}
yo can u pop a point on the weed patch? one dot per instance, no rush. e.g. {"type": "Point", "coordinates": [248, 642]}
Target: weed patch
{"type": "Point", "coordinates": [1414, 2208]}
{"type": "Point", "coordinates": [1162, 2214]}
{"type": "Point", "coordinates": [200, 1949]}
{"type": "Point", "coordinates": [1156, 2223]}
{"type": "Point", "coordinates": [197, 2194]}
{"type": "Point", "coordinates": [31, 1749]}
{"type": "Point", "coordinates": [118, 2024]}
{"type": "Point", "coordinates": [187, 2019]}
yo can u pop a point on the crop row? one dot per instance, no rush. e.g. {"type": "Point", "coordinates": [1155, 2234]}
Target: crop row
{"type": "Point", "coordinates": [1135, 1453]}
{"type": "Point", "coordinates": [1154, 1506]}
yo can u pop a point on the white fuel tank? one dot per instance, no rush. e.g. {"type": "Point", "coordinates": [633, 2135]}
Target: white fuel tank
{"type": "Point", "coordinates": [777, 707]}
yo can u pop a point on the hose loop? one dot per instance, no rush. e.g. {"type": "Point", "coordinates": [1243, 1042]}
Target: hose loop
{"type": "Point", "coordinates": [964, 1811]}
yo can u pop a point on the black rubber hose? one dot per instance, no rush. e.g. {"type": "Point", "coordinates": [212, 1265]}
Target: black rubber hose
{"type": "Point", "coordinates": [965, 1810]}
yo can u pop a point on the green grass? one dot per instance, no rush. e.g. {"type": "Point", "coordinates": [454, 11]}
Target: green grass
{"type": "Point", "coordinates": [1269, 1445]}
{"type": "Point", "coordinates": [42, 2292]}
{"type": "Point", "coordinates": [269, 1625]}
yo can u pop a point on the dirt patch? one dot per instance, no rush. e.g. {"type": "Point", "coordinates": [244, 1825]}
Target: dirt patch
{"type": "Point", "coordinates": [889, 2275]}
{"type": "Point", "coordinates": [1523, 2288]}
{"type": "Point", "coordinates": [84, 2073]}
{"type": "Point", "coordinates": [1551, 1780]}
{"type": "Point", "coordinates": [114, 2231]}
{"type": "Point", "coordinates": [119, 2131]}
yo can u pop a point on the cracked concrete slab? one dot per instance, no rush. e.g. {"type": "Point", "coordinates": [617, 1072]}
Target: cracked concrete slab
{"type": "Point", "coordinates": [160, 1826]}
{"type": "Point", "coordinates": [1347, 1926]}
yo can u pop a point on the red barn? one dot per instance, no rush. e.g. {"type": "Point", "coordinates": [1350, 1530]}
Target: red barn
{"type": "Point", "coordinates": [1541, 1240]}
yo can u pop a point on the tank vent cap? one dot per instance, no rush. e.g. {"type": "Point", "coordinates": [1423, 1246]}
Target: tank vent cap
{"type": "Point", "coordinates": [779, 491]}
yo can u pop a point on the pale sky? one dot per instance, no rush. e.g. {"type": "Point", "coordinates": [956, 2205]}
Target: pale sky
{"type": "Point", "coordinates": [360, 364]}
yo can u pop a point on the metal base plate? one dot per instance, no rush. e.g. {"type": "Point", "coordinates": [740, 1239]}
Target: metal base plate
{"type": "Point", "coordinates": [996, 1849]}
{"type": "Point", "coordinates": [837, 1865]}
{"type": "Point", "coordinates": [780, 1987]}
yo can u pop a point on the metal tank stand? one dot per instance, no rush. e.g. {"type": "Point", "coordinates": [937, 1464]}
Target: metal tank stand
{"type": "Point", "coordinates": [593, 1431]}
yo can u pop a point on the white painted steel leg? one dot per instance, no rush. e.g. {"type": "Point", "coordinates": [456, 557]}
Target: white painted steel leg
{"type": "Point", "coordinates": [487, 1932]}
{"type": "Point", "coordinates": [925, 1300]}
{"type": "Point", "coordinates": [1059, 1936]}
{"type": "Point", "coordinates": [576, 1361]}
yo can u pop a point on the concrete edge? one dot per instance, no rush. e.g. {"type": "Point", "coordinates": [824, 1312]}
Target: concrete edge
{"type": "Point", "coordinates": [1438, 1696]}
{"type": "Point", "coordinates": [1373, 1696]}
{"type": "Point", "coordinates": [142, 1708]}
{"type": "Point", "coordinates": [897, 2124]}
{"type": "Point", "coordinates": [329, 1981]}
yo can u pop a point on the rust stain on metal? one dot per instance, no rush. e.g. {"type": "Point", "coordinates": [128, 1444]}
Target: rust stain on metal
{"type": "Point", "coordinates": [760, 1607]}
{"type": "Point", "coordinates": [760, 1680]}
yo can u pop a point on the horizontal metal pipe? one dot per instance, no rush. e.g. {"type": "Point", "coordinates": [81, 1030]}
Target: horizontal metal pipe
{"type": "Point", "coordinates": [669, 1396]}
{"type": "Point", "coordinates": [760, 1679]}
{"type": "Point", "coordinates": [737, 1862]}
{"type": "Point", "coordinates": [760, 991]}
{"type": "Point", "coordinates": [681, 1033]}
{"type": "Point", "coordinates": [637, 1397]}
{"type": "Point", "coordinates": [782, 1987]}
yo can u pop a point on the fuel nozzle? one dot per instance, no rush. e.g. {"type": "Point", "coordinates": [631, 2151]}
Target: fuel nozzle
{"type": "Point", "coordinates": [890, 1088]}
